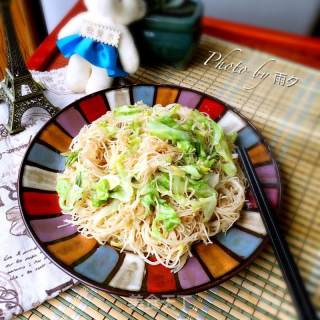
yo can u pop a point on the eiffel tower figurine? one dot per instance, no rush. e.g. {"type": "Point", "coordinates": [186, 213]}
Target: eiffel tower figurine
{"type": "Point", "coordinates": [18, 88]}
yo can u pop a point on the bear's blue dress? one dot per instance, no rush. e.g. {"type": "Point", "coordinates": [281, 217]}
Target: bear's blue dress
{"type": "Point", "coordinates": [97, 53]}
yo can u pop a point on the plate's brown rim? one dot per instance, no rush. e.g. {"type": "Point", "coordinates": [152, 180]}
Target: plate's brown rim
{"type": "Point", "coordinates": [143, 294]}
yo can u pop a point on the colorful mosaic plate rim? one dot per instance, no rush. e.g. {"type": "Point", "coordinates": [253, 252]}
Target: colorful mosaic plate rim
{"type": "Point", "coordinates": [204, 274]}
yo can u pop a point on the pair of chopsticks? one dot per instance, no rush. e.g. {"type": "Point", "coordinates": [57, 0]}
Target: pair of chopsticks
{"type": "Point", "coordinates": [289, 269]}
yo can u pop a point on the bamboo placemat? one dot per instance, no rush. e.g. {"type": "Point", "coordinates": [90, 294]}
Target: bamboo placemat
{"type": "Point", "coordinates": [289, 118]}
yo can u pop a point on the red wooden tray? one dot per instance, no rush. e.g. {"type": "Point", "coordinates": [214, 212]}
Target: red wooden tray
{"type": "Point", "coordinates": [301, 49]}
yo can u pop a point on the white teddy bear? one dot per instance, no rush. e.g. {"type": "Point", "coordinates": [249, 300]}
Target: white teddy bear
{"type": "Point", "coordinates": [97, 41]}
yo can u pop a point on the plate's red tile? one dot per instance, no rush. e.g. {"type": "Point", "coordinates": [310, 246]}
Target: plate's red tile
{"type": "Point", "coordinates": [250, 200]}
{"type": "Point", "coordinates": [36, 203]}
{"type": "Point", "coordinates": [160, 279]}
{"type": "Point", "coordinates": [211, 107]}
{"type": "Point", "coordinates": [93, 107]}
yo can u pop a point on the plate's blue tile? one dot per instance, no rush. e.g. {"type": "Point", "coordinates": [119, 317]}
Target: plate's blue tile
{"type": "Point", "coordinates": [44, 156]}
{"type": "Point", "coordinates": [247, 138]}
{"type": "Point", "coordinates": [241, 243]}
{"type": "Point", "coordinates": [99, 265]}
{"type": "Point", "coordinates": [144, 93]}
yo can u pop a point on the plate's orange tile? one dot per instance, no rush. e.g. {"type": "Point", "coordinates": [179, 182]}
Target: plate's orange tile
{"type": "Point", "coordinates": [216, 259]}
{"type": "Point", "coordinates": [259, 154]}
{"type": "Point", "coordinates": [166, 95]}
{"type": "Point", "coordinates": [71, 250]}
{"type": "Point", "coordinates": [56, 138]}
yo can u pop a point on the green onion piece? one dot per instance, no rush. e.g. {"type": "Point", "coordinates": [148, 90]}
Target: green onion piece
{"type": "Point", "coordinates": [71, 158]}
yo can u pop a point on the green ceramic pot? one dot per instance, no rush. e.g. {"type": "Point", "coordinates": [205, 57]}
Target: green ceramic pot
{"type": "Point", "coordinates": [169, 36]}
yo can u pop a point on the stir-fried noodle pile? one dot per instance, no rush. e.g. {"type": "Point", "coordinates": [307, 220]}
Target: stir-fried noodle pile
{"type": "Point", "coordinates": [152, 181]}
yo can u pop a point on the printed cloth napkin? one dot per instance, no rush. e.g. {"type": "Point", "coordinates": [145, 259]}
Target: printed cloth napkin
{"type": "Point", "coordinates": [27, 276]}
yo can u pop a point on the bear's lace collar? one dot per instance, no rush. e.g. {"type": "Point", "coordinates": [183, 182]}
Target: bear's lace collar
{"type": "Point", "coordinates": [100, 32]}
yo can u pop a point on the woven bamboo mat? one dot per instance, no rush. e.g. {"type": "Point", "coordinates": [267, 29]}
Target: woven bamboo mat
{"type": "Point", "coordinates": [289, 118]}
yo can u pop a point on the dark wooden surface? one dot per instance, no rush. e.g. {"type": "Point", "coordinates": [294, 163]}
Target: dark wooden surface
{"type": "Point", "coordinates": [27, 18]}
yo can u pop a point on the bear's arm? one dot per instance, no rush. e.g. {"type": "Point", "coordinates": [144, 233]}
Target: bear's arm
{"type": "Point", "coordinates": [129, 56]}
{"type": "Point", "coordinates": [73, 26]}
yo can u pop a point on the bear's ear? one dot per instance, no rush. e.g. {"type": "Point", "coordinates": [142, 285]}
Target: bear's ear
{"type": "Point", "coordinates": [95, 5]}
{"type": "Point", "coordinates": [132, 10]}
{"type": "Point", "coordinates": [104, 8]}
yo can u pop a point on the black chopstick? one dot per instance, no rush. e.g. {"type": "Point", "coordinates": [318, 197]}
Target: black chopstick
{"type": "Point", "coordinates": [289, 269]}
